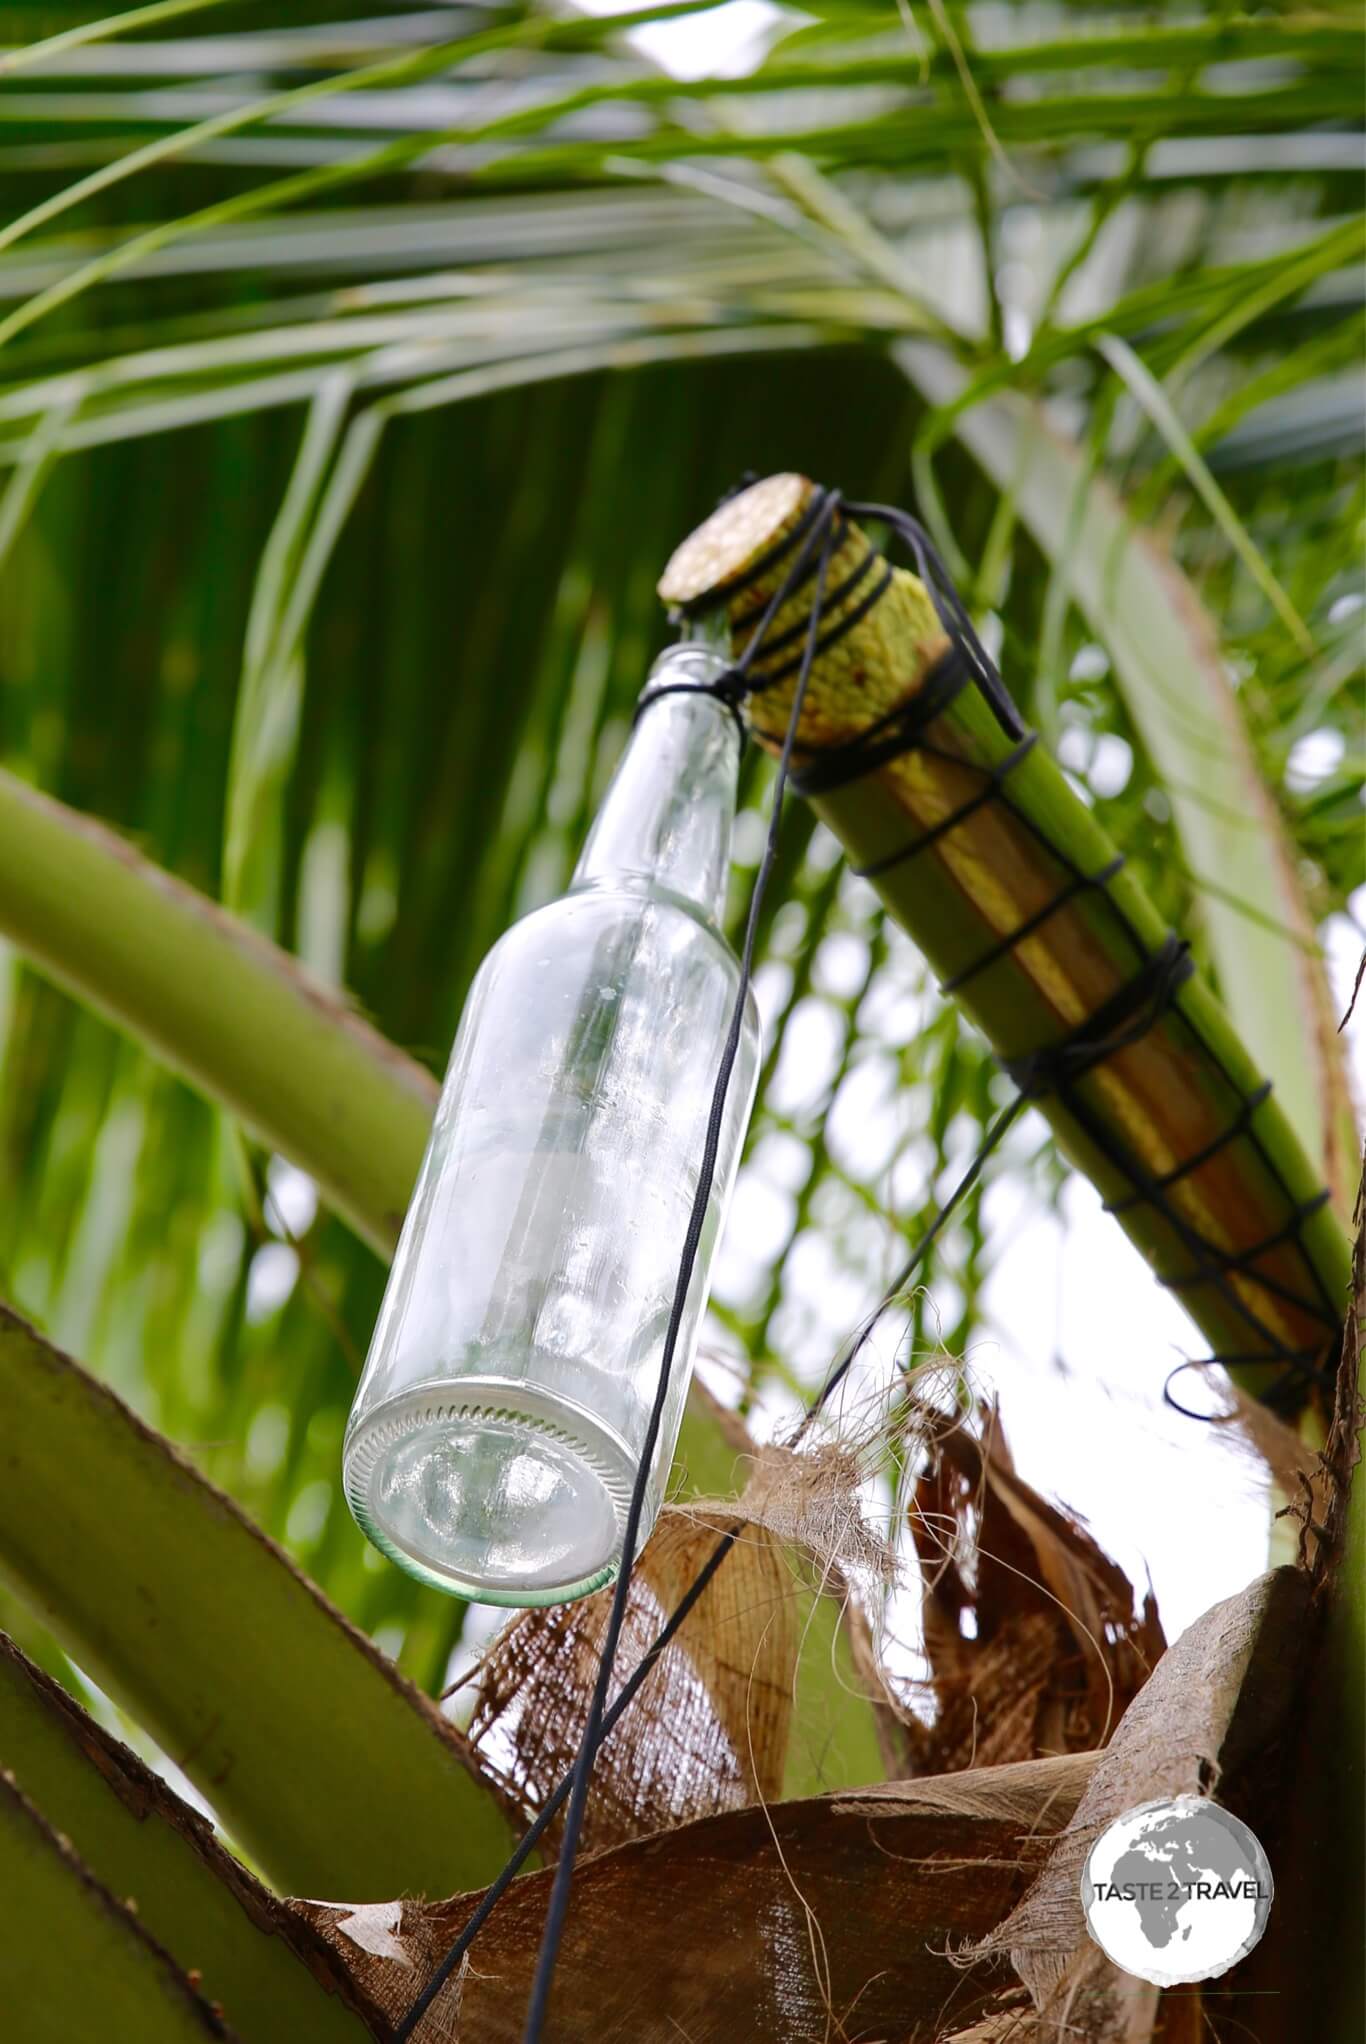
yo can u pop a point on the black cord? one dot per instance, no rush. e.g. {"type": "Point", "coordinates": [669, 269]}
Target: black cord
{"type": "Point", "coordinates": [555, 1802]}
{"type": "Point", "coordinates": [1304, 1363]}
{"type": "Point", "coordinates": [950, 607]}
{"type": "Point", "coordinates": [688, 1602]}
{"type": "Point", "coordinates": [1239, 1126]}
{"type": "Point", "coordinates": [1079, 884]}
{"type": "Point", "coordinates": [821, 523]}
{"type": "Point", "coordinates": [593, 1730]}
{"type": "Point", "coordinates": [1004, 1120]}
{"type": "Point", "coordinates": [992, 782]}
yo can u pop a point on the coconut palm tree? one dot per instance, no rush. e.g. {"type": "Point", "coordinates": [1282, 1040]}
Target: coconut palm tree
{"type": "Point", "coordinates": [360, 370]}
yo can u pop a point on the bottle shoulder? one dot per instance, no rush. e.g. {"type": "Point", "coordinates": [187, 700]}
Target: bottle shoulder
{"type": "Point", "coordinates": [624, 902]}
{"type": "Point", "coordinates": [663, 933]}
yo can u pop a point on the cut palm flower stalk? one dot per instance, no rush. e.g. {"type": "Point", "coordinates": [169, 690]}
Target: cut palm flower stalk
{"type": "Point", "coordinates": [914, 757]}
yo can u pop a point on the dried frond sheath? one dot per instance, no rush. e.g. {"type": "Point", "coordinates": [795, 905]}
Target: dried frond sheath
{"type": "Point", "coordinates": [1158, 1104]}
{"type": "Point", "coordinates": [1210, 1721]}
{"type": "Point", "coordinates": [837, 1917]}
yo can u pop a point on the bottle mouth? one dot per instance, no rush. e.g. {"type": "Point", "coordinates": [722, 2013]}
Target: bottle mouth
{"type": "Point", "coordinates": [488, 1491]}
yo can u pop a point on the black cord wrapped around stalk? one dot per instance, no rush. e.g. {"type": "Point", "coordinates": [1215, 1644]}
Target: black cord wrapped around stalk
{"type": "Point", "coordinates": [913, 753]}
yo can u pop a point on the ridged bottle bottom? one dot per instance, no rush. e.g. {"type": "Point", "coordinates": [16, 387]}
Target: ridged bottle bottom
{"type": "Point", "coordinates": [491, 1490]}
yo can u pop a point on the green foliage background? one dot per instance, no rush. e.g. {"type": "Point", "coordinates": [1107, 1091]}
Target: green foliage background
{"type": "Point", "coordinates": [334, 513]}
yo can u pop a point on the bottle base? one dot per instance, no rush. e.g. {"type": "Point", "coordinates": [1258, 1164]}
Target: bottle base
{"type": "Point", "coordinates": [491, 1491]}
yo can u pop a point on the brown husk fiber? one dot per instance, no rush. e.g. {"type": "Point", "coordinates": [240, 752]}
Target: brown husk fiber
{"type": "Point", "coordinates": [1056, 1650]}
{"type": "Point", "coordinates": [708, 1733]}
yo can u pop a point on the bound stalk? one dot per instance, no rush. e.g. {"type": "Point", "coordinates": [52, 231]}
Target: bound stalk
{"type": "Point", "coordinates": [1018, 898]}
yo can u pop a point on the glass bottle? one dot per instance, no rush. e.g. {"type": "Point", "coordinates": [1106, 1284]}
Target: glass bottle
{"type": "Point", "coordinates": [497, 1430]}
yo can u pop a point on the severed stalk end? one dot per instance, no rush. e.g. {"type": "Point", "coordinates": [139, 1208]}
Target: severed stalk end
{"type": "Point", "coordinates": [728, 543]}
{"type": "Point", "coordinates": [879, 632]}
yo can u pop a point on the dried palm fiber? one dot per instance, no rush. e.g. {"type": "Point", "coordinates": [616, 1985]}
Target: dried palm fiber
{"type": "Point", "coordinates": [1058, 1654]}
{"type": "Point", "coordinates": [1020, 904]}
{"type": "Point", "coordinates": [1056, 1651]}
{"type": "Point", "coordinates": [715, 1727]}
{"type": "Point", "coordinates": [708, 1732]}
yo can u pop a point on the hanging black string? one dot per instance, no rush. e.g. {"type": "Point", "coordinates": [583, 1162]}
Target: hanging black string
{"type": "Point", "coordinates": [1008, 1115]}
{"type": "Point", "coordinates": [1305, 1364]}
{"type": "Point", "coordinates": [555, 1802]}
{"type": "Point", "coordinates": [824, 527]}
{"type": "Point", "coordinates": [822, 524]}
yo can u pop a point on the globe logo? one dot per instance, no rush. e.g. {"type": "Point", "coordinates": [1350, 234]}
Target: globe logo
{"type": "Point", "coordinates": [1176, 1890]}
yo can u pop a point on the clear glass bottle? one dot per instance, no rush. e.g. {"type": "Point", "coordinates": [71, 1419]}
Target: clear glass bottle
{"type": "Point", "coordinates": [497, 1430]}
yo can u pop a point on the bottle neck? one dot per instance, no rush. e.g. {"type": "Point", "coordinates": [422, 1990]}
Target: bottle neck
{"type": "Point", "coordinates": [666, 821]}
